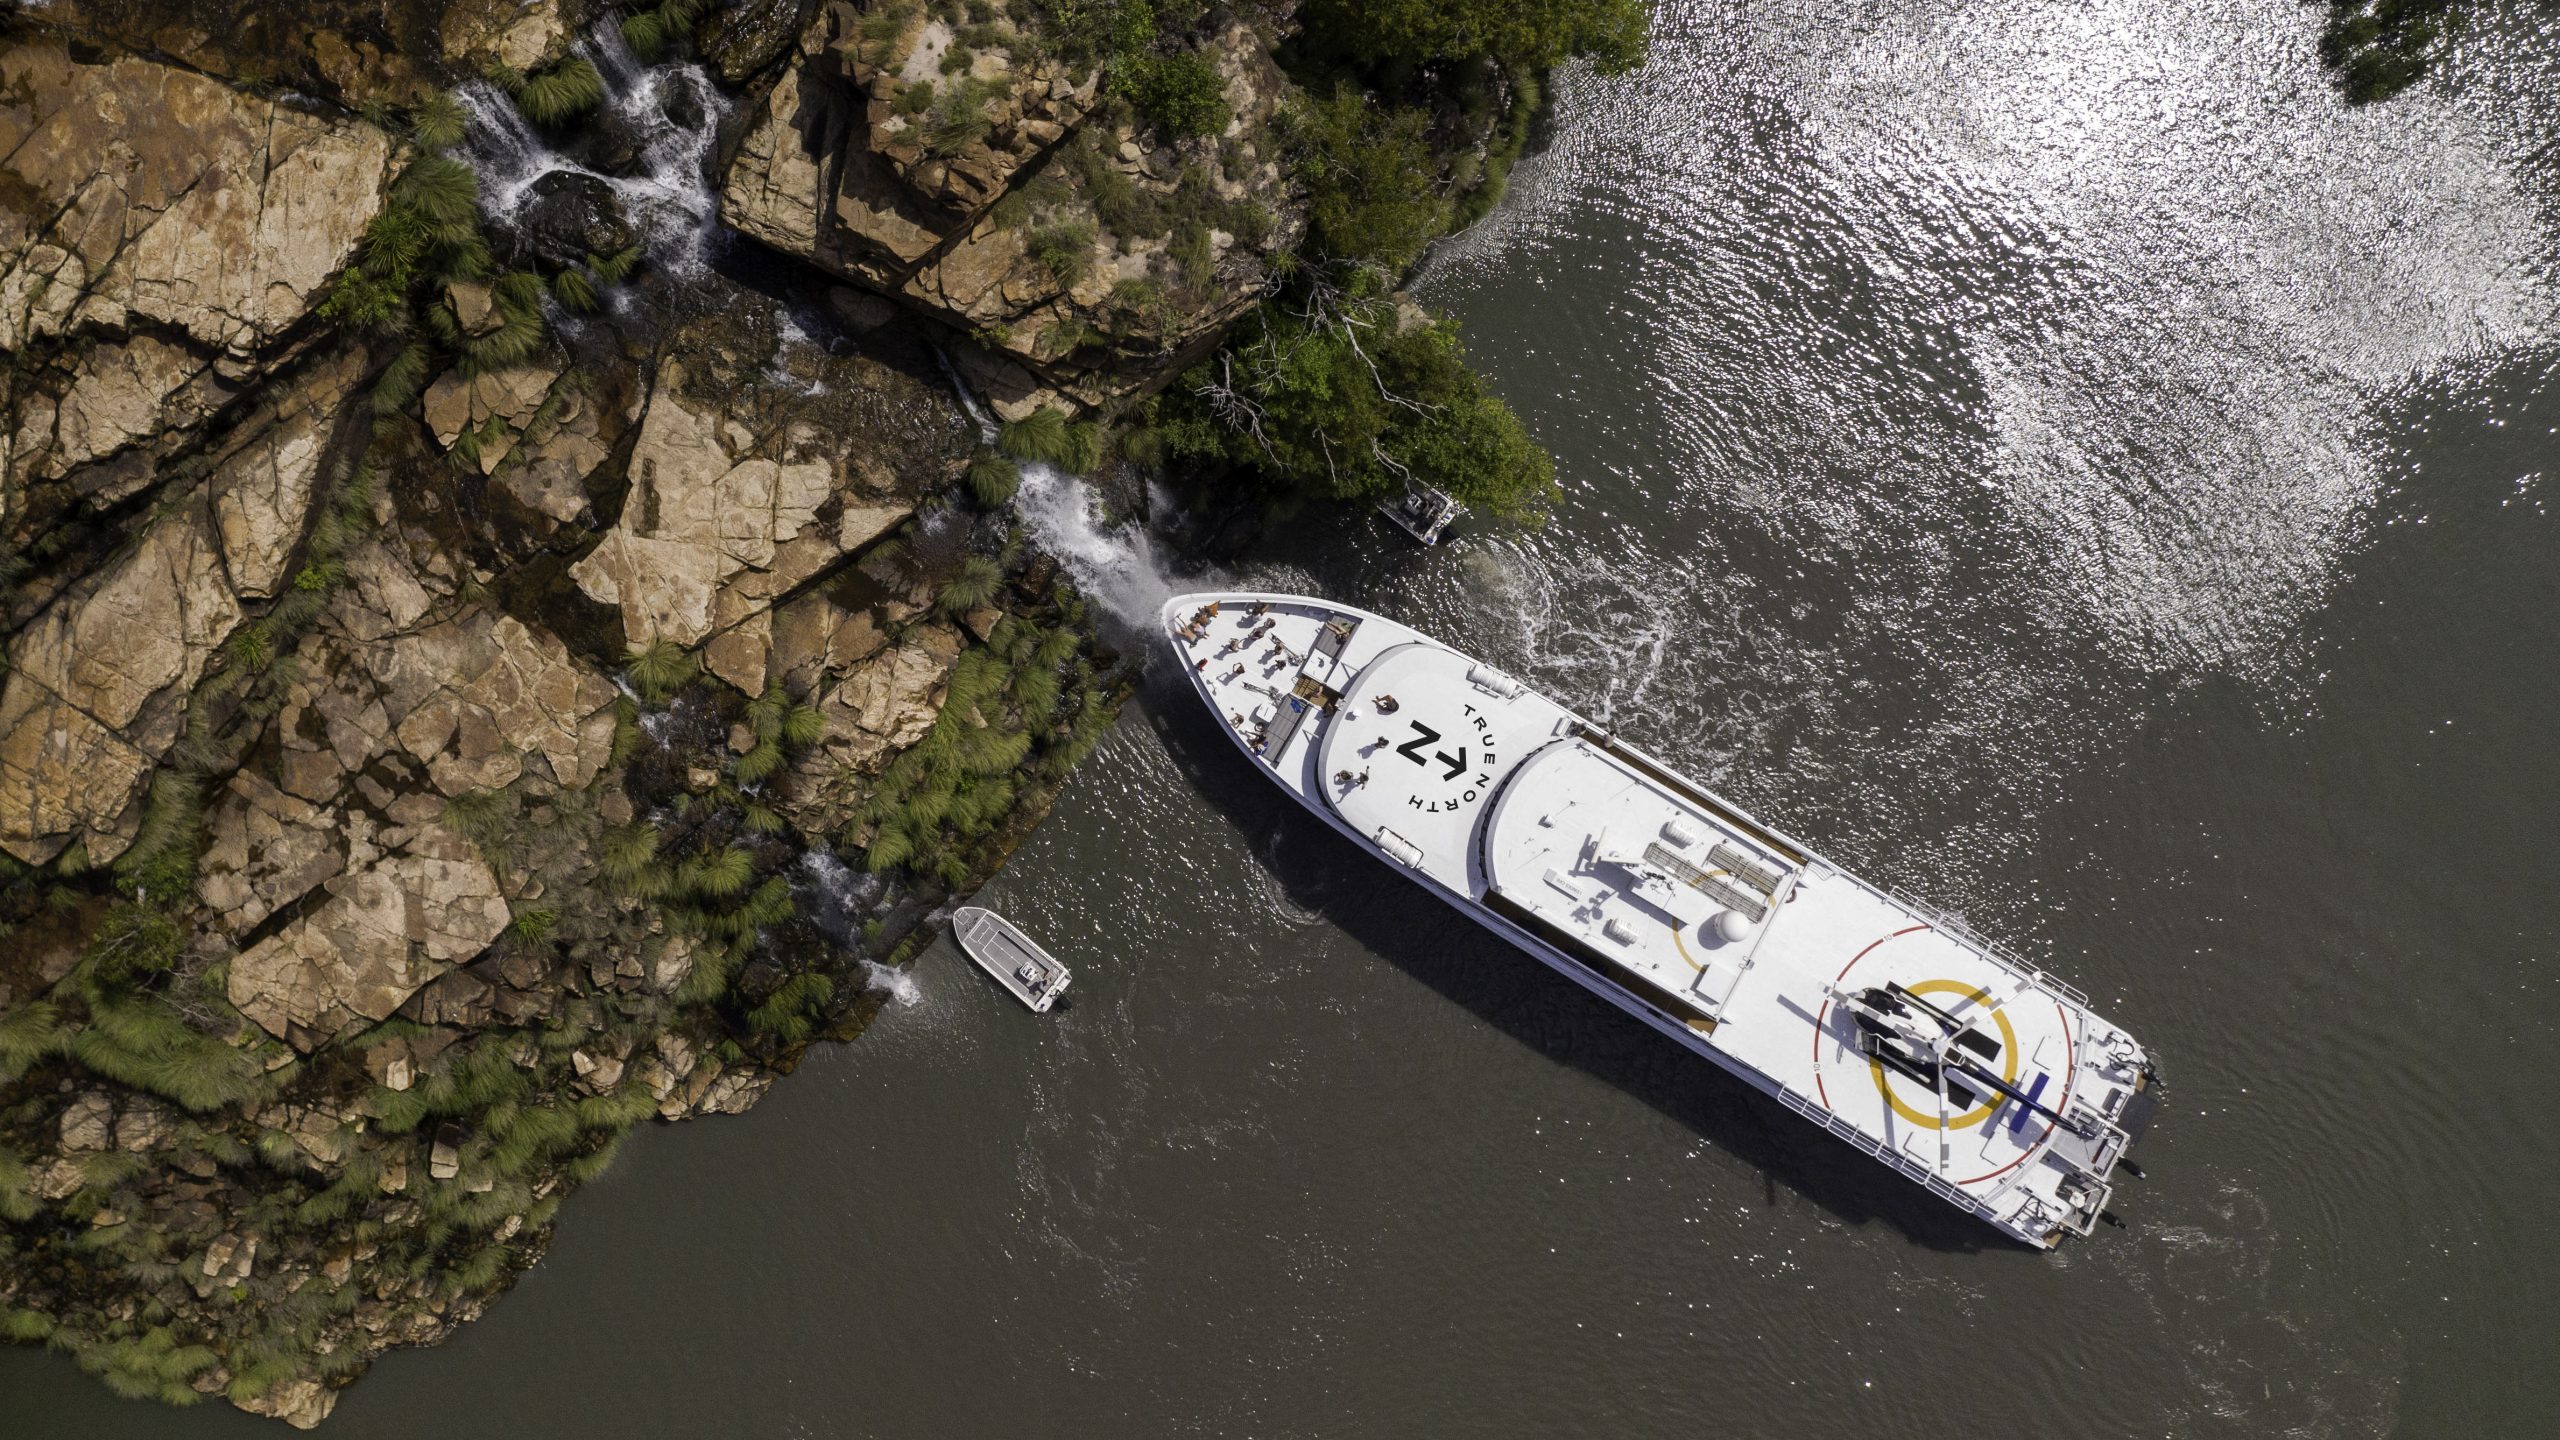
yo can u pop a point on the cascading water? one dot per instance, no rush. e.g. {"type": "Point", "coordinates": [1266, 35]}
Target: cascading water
{"type": "Point", "coordinates": [676, 112]}
{"type": "Point", "coordinates": [838, 901]}
{"type": "Point", "coordinates": [1116, 565]}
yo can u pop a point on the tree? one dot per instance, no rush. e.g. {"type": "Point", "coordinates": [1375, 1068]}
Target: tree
{"type": "Point", "coordinates": [1532, 34]}
{"type": "Point", "coordinates": [1368, 170]}
{"type": "Point", "coordinates": [1342, 394]}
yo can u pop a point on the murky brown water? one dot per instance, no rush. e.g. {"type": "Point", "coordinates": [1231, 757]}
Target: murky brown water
{"type": "Point", "coordinates": [2051, 456]}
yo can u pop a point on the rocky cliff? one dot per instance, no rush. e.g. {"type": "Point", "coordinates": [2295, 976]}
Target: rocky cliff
{"type": "Point", "coordinates": [467, 623]}
{"type": "Point", "coordinates": [509, 623]}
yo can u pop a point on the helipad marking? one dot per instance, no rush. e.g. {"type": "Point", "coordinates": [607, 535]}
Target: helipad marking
{"type": "Point", "coordinates": [2008, 1061]}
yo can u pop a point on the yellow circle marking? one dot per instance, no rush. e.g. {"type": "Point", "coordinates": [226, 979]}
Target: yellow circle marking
{"type": "Point", "coordinates": [1684, 952]}
{"type": "Point", "coordinates": [2008, 1059]}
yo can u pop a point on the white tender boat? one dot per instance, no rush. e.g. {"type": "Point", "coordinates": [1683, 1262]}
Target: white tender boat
{"type": "Point", "coordinates": [1986, 1081]}
{"type": "Point", "coordinates": [1002, 950]}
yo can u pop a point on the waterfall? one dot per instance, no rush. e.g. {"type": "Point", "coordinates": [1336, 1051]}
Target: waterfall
{"type": "Point", "coordinates": [670, 199]}
{"type": "Point", "coordinates": [1117, 565]}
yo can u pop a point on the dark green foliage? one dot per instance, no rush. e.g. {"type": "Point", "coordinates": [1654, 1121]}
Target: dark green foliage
{"type": "Point", "coordinates": [976, 584]}
{"type": "Point", "coordinates": [153, 1366]}
{"type": "Point", "coordinates": [139, 1041]}
{"type": "Point", "coordinates": [17, 1196]}
{"type": "Point", "coordinates": [2381, 47]}
{"type": "Point", "coordinates": [659, 669]}
{"type": "Point", "coordinates": [517, 296]}
{"type": "Point", "coordinates": [1040, 435]}
{"type": "Point", "coordinates": [575, 292]}
{"type": "Point", "coordinates": [1084, 32]}
{"type": "Point", "coordinates": [135, 941]}
{"type": "Point", "coordinates": [1066, 249]}
{"type": "Point", "coordinates": [1532, 34]}
{"type": "Point", "coordinates": [427, 231]}
{"type": "Point", "coordinates": [1367, 168]}
{"type": "Point", "coordinates": [160, 864]}
{"type": "Point", "coordinates": [560, 93]}
{"type": "Point", "coordinates": [401, 381]}
{"type": "Point", "coordinates": [1350, 401]}
{"type": "Point", "coordinates": [29, 1031]}
{"type": "Point", "coordinates": [720, 874]}
{"type": "Point", "coordinates": [656, 33]}
{"type": "Point", "coordinates": [788, 1014]}
{"type": "Point", "coordinates": [993, 478]}
{"type": "Point", "coordinates": [1180, 95]}
{"type": "Point", "coordinates": [613, 269]}
{"type": "Point", "coordinates": [436, 123]}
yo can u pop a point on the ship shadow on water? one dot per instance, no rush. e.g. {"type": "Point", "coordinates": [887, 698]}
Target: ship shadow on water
{"type": "Point", "coordinates": [1317, 868]}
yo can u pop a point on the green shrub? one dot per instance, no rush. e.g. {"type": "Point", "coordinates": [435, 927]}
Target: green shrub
{"type": "Point", "coordinates": [976, 584]}
{"type": "Point", "coordinates": [1040, 435]}
{"type": "Point", "coordinates": [153, 1366]}
{"type": "Point", "coordinates": [660, 669]}
{"type": "Point", "coordinates": [1065, 249]}
{"type": "Point", "coordinates": [655, 32]}
{"type": "Point", "coordinates": [18, 1200]}
{"type": "Point", "coordinates": [1529, 34]}
{"type": "Point", "coordinates": [613, 269]}
{"type": "Point", "coordinates": [559, 93]}
{"type": "Point", "coordinates": [1351, 405]}
{"type": "Point", "coordinates": [1181, 95]}
{"type": "Point", "coordinates": [993, 479]}
{"type": "Point", "coordinates": [25, 1327]}
{"type": "Point", "coordinates": [575, 292]}
{"type": "Point", "coordinates": [958, 118]}
{"type": "Point", "coordinates": [1367, 168]}
{"type": "Point", "coordinates": [401, 381]}
{"type": "Point", "coordinates": [720, 874]}
{"type": "Point", "coordinates": [437, 122]}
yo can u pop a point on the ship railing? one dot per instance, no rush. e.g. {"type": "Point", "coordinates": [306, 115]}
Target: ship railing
{"type": "Point", "coordinates": [1940, 920]}
{"type": "Point", "coordinates": [1928, 1179]}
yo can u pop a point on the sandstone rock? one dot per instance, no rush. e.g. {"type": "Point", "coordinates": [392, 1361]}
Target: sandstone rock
{"type": "Point", "coordinates": [267, 849]}
{"type": "Point", "coordinates": [385, 931]}
{"type": "Point", "coordinates": [444, 1161]}
{"type": "Point", "coordinates": [145, 1124]}
{"type": "Point", "coordinates": [475, 308]}
{"type": "Point", "coordinates": [199, 226]}
{"type": "Point", "coordinates": [477, 34]}
{"type": "Point", "coordinates": [88, 1123]}
{"type": "Point", "coordinates": [694, 519]}
{"type": "Point", "coordinates": [300, 1403]}
{"type": "Point", "coordinates": [134, 638]}
{"type": "Point", "coordinates": [477, 692]}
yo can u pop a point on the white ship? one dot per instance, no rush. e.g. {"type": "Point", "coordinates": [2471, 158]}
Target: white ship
{"type": "Point", "coordinates": [1988, 1082]}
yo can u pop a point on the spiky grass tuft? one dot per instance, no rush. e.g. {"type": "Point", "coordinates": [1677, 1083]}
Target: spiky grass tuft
{"type": "Point", "coordinates": [993, 479]}
{"type": "Point", "coordinates": [659, 669]}
{"type": "Point", "coordinates": [561, 93]}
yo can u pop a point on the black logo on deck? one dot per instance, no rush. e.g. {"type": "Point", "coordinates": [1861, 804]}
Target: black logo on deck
{"type": "Point", "coordinates": [1463, 791]}
{"type": "Point", "coordinates": [1422, 735]}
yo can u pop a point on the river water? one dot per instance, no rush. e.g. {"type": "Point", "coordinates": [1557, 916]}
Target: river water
{"type": "Point", "coordinates": [2050, 455]}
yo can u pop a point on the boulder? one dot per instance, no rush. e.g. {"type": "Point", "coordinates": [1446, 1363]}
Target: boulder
{"type": "Point", "coordinates": [695, 518]}
{"type": "Point", "coordinates": [97, 683]}
{"type": "Point", "coordinates": [191, 236]}
{"type": "Point", "coordinates": [88, 1123]}
{"type": "Point", "coordinates": [568, 216]}
{"type": "Point", "coordinates": [386, 930]}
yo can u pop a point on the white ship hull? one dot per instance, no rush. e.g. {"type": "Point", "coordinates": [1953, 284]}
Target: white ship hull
{"type": "Point", "coordinates": [1988, 1083]}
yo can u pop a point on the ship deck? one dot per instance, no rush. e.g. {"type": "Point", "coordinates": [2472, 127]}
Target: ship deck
{"type": "Point", "coordinates": [1713, 925]}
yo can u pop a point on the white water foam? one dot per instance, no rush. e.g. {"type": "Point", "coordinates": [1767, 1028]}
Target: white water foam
{"type": "Point", "coordinates": [670, 201]}
{"type": "Point", "coordinates": [1114, 563]}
